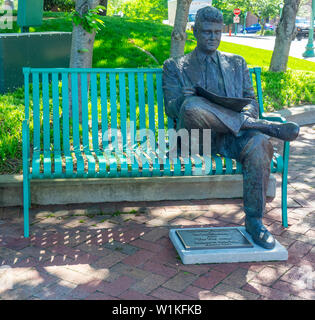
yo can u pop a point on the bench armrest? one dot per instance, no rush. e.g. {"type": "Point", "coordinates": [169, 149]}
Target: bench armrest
{"type": "Point", "coordinates": [273, 118]}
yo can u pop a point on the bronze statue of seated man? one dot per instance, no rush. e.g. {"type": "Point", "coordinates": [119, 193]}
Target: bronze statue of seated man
{"type": "Point", "coordinates": [238, 135]}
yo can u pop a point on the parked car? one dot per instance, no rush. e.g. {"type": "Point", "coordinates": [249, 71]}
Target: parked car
{"type": "Point", "coordinates": [302, 28]}
{"type": "Point", "coordinates": [256, 27]}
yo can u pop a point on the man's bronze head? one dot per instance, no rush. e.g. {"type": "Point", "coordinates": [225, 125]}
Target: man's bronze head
{"type": "Point", "coordinates": [208, 29]}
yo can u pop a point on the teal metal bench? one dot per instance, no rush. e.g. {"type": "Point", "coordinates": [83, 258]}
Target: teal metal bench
{"type": "Point", "coordinates": [56, 145]}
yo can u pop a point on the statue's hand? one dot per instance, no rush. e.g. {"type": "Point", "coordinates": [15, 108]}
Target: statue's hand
{"type": "Point", "coordinates": [250, 110]}
{"type": "Point", "coordinates": [188, 91]}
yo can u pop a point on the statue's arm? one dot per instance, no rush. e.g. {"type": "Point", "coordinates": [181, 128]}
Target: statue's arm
{"type": "Point", "coordinates": [172, 89]}
{"type": "Point", "coordinates": [252, 109]}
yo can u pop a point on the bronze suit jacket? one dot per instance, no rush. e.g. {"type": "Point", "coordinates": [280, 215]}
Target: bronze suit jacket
{"type": "Point", "coordinates": [186, 72]}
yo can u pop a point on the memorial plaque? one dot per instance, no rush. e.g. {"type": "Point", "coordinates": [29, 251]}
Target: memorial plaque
{"type": "Point", "coordinates": [213, 238]}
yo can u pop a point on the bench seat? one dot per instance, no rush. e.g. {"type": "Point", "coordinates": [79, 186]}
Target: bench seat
{"type": "Point", "coordinates": [110, 164]}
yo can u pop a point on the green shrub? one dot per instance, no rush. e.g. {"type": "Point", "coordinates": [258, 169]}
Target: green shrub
{"type": "Point", "coordinates": [287, 89]}
{"type": "Point", "coordinates": [153, 10]}
{"type": "Point", "coordinates": [11, 116]}
{"type": "Point", "coordinates": [269, 33]}
{"type": "Point", "coordinates": [59, 5]}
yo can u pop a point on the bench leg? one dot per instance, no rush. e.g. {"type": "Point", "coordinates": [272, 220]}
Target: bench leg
{"type": "Point", "coordinates": [29, 194]}
{"type": "Point", "coordinates": [284, 205]}
{"type": "Point", "coordinates": [26, 206]}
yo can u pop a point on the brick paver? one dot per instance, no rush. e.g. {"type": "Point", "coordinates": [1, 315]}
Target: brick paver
{"type": "Point", "coordinates": [122, 250]}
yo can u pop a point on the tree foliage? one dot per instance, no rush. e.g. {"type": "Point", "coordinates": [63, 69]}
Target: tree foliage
{"type": "Point", "coordinates": [59, 5]}
{"type": "Point", "coordinates": [113, 6]}
{"type": "Point", "coordinates": [226, 9]}
{"type": "Point", "coordinates": [262, 9]}
{"type": "Point", "coordinates": [89, 20]}
{"type": "Point", "coordinates": [153, 10]}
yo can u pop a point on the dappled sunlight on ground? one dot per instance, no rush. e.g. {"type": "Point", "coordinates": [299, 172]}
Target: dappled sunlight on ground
{"type": "Point", "coordinates": [122, 250]}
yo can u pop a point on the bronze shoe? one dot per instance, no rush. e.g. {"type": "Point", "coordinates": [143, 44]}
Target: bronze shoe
{"type": "Point", "coordinates": [285, 131]}
{"type": "Point", "coordinates": [259, 233]}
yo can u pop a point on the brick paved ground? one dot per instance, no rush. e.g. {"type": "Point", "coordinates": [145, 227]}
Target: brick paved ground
{"type": "Point", "coordinates": [122, 251]}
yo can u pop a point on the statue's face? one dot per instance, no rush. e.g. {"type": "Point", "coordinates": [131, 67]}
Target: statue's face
{"type": "Point", "coordinates": [208, 36]}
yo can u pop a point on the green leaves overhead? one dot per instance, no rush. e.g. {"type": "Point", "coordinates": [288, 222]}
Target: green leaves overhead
{"type": "Point", "coordinates": [90, 20]}
{"type": "Point", "coordinates": [262, 9]}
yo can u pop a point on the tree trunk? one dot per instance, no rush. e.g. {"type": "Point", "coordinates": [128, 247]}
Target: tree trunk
{"type": "Point", "coordinates": [105, 4]}
{"type": "Point", "coordinates": [81, 48]}
{"type": "Point", "coordinates": [262, 25]}
{"type": "Point", "coordinates": [82, 41]}
{"type": "Point", "coordinates": [179, 32]}
{"type": "Point", "coordinates": [284, 35]}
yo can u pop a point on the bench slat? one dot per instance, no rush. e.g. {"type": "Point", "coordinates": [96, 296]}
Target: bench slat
{"type": "Point", "coordinates": [46, 115]}
{"type": "Point", "coordinates": [69, 165]}
{"type": "Point", "coordinates": [132, 107]}
{"type": "Point", "coordinates": [56, 123]}
{"type": "Point", "coordinates": [161, 127]}
{"type": "Point", "coordinates": [198, 166]}
{"type": "Point", "coordinates": [144, 162]}
{"type": "Point", "coordinates": [102, 164]}
{"type": "Point", "coordinates": [65, 117]}
{"type": "Point", "coordinates": [142, 112]}
{"type": "Point", "coordinates": [167, 167]}
{"type": "Point", "coordinates": [228, 166]}
{"type": "Point", "coordinates": [218, 165]}
{"type": "Point", "coordinates": [94, 111]}
{"type": "Point", "coordinates": [85, 109]}
{"type": "Point", "coordinates": [103, 84]}
{"type": "Point", "coordinates": [58, 164]}
{"type": "Point", "coordinates": [112, 162]}
{"type": "Point", "coordinates": [91, 163]}
{"type": "Point", "coordinates": [123, 109]}
{"type": "Point", "coordinates": [75, 112]}
{"type": "Point", "coordinates": [176, 167]}
{"type": "Point", "coordinates": [26, 72]}
{"type": "Point", "coordinates": [133, 124]}
{"type": "Point", "coordinates": [187, 166]}
{"type": "Point", "coordinates": [122, 160]}
{"type": "Point", "coordinates": [113, 110]}
{"type": "Point", "coordinates": [150, 88]}
{"type": "Point", "coordinates": [156, 169]}
{"type": "Point", "coordinates": [80, 163]}
{"type": "Point", "coordinates": [47, 164]}
{"type": "Point", "coordinates": [208, 164]}
{"type": "Point", "coordinates": [46, 125]}
{"type": "Point", "coordinates": [277, 163]}
{"type": "Point", "coordinates": [36, 164]}
{"type": "Point", "coordinates": [75, 125]}
{"type": "Point", "coordinates": [36, 116]}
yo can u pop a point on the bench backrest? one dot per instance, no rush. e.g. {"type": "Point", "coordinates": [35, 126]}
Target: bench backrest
{"type": "Point", "coordinates": [124, 100]}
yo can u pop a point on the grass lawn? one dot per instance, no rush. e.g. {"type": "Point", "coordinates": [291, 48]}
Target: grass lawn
{"type": "Point", "coordinates": [119, 44]}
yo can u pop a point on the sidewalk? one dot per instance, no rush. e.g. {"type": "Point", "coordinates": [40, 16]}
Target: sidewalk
{"type": "Point", "coordinates": [297, 48]}
{"type": "Point", "coordinates": [122, 251]}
